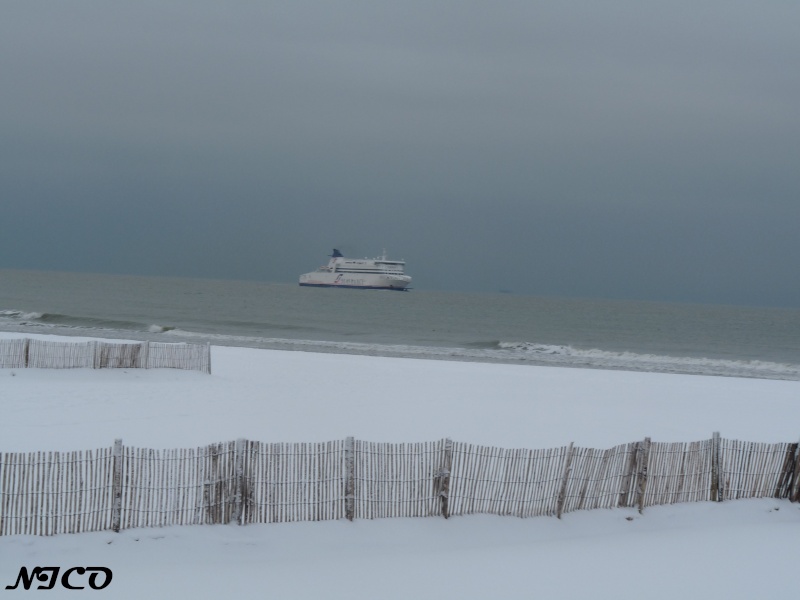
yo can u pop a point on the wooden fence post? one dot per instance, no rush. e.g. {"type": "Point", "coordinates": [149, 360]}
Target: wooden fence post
{"type": "Point", "coordinates": [562, 491]}
{"type": "Point", "coordinates": [349, 479]}
{"type": "Point", "coordinates": [783, 488]}
{"type": "Point", "coordinates": [625, 484]}
{"type": "Point", "coordinates": [715, 467]}
{"type": "Point", "coordinates": [644, 457]}
{"type": "Point", "coordinates": [794, 487]}
{"type": "Point", "coordinates": [443, 478]}
{"type": "Point", "coordinates": [208, 358]}
{"type": "Point", "coordinates": [25, 351]}
{"type": "Point", "coordinates": [144, 353]}
{"type": "Point", "coordinates": [116, 487]}
{"type": "Point", "coordinates": [239, 451]}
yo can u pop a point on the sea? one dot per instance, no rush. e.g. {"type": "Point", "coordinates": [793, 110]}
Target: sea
{"type": "Point", "coordinates": [523, 330]}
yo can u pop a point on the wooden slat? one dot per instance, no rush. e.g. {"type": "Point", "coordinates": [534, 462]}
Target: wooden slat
{"type": "Point", "coordinates": [498, 481]}
{"type": "Point", "coordinates": [292, 482]}
{"type": "Point", "coordinates": [397, 479]}
{"type": "Point", "coordinates": [195, 357]}
{"type": "Point", "coordinates": [60, 355]}
{"type": "Point", "coordinates": [751, 470]}
{"type": "Point", "coordinates": [679, 472]}
{"type": "Point", "coordinates": [13, 353]}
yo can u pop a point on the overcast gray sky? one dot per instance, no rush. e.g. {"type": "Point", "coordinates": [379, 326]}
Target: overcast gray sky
{"type": "Point", "coordinates": [617, 149]}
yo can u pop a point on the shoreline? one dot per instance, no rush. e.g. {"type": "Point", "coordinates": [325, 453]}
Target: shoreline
{"type": "Point", "coordinates": [539, 356]}
{"type": "Point", "coordinates": [285, 396]}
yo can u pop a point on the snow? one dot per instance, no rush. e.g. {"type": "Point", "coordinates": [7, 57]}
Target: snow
{"type": "Point", "coordinates": [738, 549]}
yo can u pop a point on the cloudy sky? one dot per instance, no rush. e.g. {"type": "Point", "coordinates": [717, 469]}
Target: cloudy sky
{"type": "Point", "coordinates": [618, 149]}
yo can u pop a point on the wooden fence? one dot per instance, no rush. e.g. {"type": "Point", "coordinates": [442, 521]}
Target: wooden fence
{"type": "Point", "coordinates": [45, 493]}
{"type": "Point", "coordinates": [41, 354]}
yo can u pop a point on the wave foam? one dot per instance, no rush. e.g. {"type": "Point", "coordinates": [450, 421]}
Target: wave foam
{"type": "Point", "coordinates": [651, 362]}
{"type": "Point", "coordinates": [159, 328]}
{"type": "Point", "coordinates": [21, 315]}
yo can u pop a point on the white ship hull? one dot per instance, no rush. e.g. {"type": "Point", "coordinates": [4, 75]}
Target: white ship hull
{"type": "Point", "coordinates": [368, 281]}
{"type": "Point", "coordinates": [367, 274]}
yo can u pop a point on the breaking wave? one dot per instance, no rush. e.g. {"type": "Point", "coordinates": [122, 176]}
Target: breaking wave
{"type": "Point", "coordinates": [42, 321]}
{"type": "Point", "coordinates": [20, 315]}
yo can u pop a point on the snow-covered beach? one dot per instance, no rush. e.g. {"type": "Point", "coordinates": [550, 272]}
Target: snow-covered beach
{"type": "Point", "coordinates": [735, 549]}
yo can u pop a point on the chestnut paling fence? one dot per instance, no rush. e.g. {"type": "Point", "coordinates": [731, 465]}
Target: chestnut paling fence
{"type": "Point", "coordinates": [45, 493]}
{"type": "Point", "coordinates": [44, 354]}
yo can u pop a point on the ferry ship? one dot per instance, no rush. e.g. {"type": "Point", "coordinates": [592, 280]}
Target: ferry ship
{"type": "Point", "coordinates": [378, 273]}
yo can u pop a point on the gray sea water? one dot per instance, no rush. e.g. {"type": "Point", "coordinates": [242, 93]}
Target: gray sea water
{"type": "Point", "coordinates": [527, 330]}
